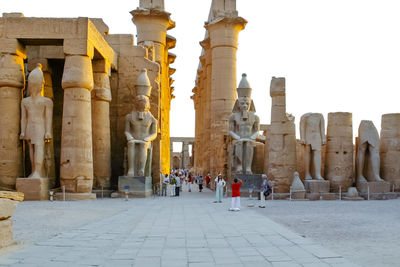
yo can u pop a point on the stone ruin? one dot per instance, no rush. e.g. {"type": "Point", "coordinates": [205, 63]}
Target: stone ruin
{"type": "Point", "coordinates": [325, 161]}
{"type": "Point", "coordinates": [89, 76]}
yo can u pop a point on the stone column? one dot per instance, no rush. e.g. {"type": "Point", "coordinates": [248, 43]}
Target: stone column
{"type": "Point", "coordinates": [185, 155]}
{"type": "Point", "coordinates": [339, 167]}
{"type": "Point", "coordinates": [152, 23]}
{"type": "Point", "coordinates": [101, 98]}
{"type": "Point", "coordinates": [12, 81]}
{"type": "Point", "coordinates": [76, 170]}
{"type": "Point", "coordinates": [223, 34]}
{"type": "Point", "coordinates": [171, 150]}
{"type": "Point", "coordinates": [390, 149]}
{"type": "Point", "coordinates": [281, 139]}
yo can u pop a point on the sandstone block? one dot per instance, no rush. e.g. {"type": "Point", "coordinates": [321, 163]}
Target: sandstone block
{"type": "Point", "coordinates": [33, 188]}
{"type": "Point", "coordinates": [7, 208]}
{"type": "Point", "coordinates": [75, 196]}
{"type": "Point", "coordinates": [317, 186]}
{"type": "Point", "coordinates": [17, 196]}
{"type": "Point", "coordinates": [6, 234]}
{"type": "Point", "coordinates": [137, 186]}
{"type": "Point", "coordinates": [374, 187]}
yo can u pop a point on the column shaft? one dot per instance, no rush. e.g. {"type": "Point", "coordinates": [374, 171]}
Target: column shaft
{"type": "Point", "coordinates": [76, 170]}
{"type": "Point", "coordinates": [101, 98]}
{"type": "Point", "coordinates": [12, 81]}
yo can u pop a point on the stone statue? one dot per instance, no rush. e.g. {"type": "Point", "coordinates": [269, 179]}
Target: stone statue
{"type": "Point", "coordinates": [36, 121]}
{"type": "Point", "coordinates": [368, 153]}
{"type": "Point", "coordinates": [140, 128]}
{"type": "Point", "coordinates": [312, 135]}
{"type": "Point", "coordinates": [244, 126]}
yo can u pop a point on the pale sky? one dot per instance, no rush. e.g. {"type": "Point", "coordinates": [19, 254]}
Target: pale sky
{"type": "Point", "coordinates": [337, 55]}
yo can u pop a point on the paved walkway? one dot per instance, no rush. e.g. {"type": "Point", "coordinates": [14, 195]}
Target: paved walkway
{"type": "Point", "coordinates": [188, 230]}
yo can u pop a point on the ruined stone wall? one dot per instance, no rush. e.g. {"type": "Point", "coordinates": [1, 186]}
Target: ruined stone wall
{"type": "Point", "coordinates": [390, 149]}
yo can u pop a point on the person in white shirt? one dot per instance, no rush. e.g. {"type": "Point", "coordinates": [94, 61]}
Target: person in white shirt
{"type": "Point", "coordinates": [165, 182]}
{"type": "Point", "coordinates": [263, 189]}
{"type": "Point", "coordinates": [219, 186]}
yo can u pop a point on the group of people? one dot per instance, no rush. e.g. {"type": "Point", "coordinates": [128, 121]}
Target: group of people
{"type": "Point", "coordinates": [265, 190]}
{"type": "Point", "coordinates": [177, 178]}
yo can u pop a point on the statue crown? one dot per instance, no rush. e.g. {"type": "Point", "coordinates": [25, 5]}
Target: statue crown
{"type": "Point", "coordinates": [143, 86]}
{"type": "Point", "coordinates": [244, 88]}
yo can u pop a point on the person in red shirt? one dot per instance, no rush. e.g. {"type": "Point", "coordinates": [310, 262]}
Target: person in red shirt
{"type": "Point", "coordinates": [208, 179]}
{"type": "Point", "coordinates": [235, 206]}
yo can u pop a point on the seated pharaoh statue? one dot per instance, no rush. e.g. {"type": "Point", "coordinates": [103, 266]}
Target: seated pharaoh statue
{"type": "Point", "coordinates": [244, 126]}
{"type": "Point", "coordinates": [368, 160]}
{"type": "Point", "coordinates": [36, 121]}
{"type": "Point", "coordinates": [140, 128]}
{"type": "Point", "coordinates": [312, 135]}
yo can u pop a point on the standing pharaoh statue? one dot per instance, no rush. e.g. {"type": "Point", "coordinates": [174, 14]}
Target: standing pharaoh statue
{"type": "Point", "coordinates": [244, 126]}
{"type": "Point", "coordinates": [36, 121]}
{"type": "Point", "coordinates": [140, 128]}
{"type": "Point", "coordinates": [368, 159]}
{"type": "Point", "coordinates": [312, 135]}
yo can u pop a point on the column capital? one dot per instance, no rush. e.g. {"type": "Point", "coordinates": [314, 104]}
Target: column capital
{"type": "Point", "coordinates": [78, 73]}
{"type": "Point", "coordinates": [102, 89]}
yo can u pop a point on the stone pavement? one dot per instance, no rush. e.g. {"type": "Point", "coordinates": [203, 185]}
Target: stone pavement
{"type": "Point", "coordinates": [188, 230]}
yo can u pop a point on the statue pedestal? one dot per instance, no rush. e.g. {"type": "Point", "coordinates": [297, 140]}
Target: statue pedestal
{"type": "Point", "coordinates": [377, 190]}
{"type": "Point", "coordinates": [33, 188]}
{"type": "Point", "coordinates": [138, 186]}
{"type": "Point", "coordinates": [317, 189]}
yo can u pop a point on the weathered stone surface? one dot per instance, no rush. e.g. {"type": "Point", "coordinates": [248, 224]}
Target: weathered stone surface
{"type": "Point", "coordinates": [6, 234]}
{"type": "Point", "coordinates": [17, 196]}
{"type": "Point", "coordinates": [137, 186]}
{"type": "Point", "coordinates": [374, 187]}
{"type": "Point", "coordinates": [75, 196]}
{"type": "Point", "coordinates": [12, 81]}
{"type": "Point", "coordinates": [281, 139]}
{"type": "Point", "coordinates": [390, 149]}
{"type": "Point", "coordinates": [34, 188]}
{"type": "Point", "coordinates": [7, 208]}
{"type": "Point", "coordinates": [316, 186]}
{"type": "Point", "coordinates": [312, 137]}
{"type": "Point", "coordinates": [76, 170]}
{"type": "Point", "coordinates": [297, 188]}
{"type": "Point", "coordinates": [339, 167]}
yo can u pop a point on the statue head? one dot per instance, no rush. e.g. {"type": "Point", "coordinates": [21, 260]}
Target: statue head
{"type": "Point", "coordinates": [36, 81]}
{"type": "Point", "coordinates": [142, 103]}
{"type": "Point", "coordinates": [244, 102]}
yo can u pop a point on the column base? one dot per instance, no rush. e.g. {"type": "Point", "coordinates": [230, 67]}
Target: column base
{"type": "Point", "coordinates": [138, 186]}
{"type": "Point", "coordinates": [33, 188]}
{"type": "Point", "coordinates": [75, 196]}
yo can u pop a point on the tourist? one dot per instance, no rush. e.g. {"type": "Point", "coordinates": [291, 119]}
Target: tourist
{"type": "Point", "coordinates": [235, 206]}
{"type": "Point", "coordinates": [264, 190]}
{"type": "Point", "coordinates": [208, 179]}
{"type": "Point", "coordinates": [190, 182]}
{"type": "Point", "coordinates": [172, 182]}
{"type": "Point", "coordinates": [200, 183]}
{"type": "Point", "coordinates": [219, 186]}
{"type": "Point", "coordinates": [178, 185]}
{"type": "Point", "coordinates": [165, 182]}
